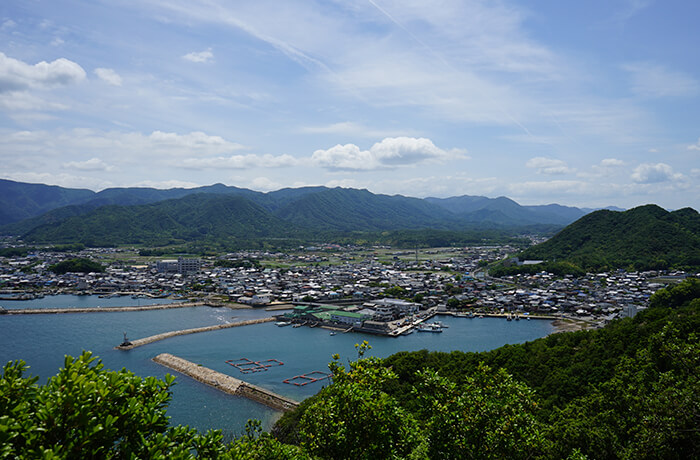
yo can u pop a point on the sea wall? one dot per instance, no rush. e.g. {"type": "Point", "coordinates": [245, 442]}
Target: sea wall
{"type": "Point", "coordinates": [226, 383]}
{"type": "Point", "coordinates": [166, 335]}
{"type": "Point", "coordinates": [37, 311]}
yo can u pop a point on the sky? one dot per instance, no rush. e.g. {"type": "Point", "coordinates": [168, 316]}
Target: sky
{"type": "Point", "coordinates": [587, 104]}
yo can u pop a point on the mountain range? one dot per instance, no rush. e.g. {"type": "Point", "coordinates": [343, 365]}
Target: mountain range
{"type": "Point", "coordinates": [43, 213]}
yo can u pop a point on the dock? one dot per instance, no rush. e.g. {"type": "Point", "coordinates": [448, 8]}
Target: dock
{"type": "Point", "coordinates": [167, 335]}
{"type": "Point", "coordinates": [226, 383]}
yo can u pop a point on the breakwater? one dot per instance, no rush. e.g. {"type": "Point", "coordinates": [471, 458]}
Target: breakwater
{"type": "Point", "coordinates": [226, 383]}
{"type": "Point", "coordinates": [37, 311]}
{"type": "Point", "coordinates": [166, 335]}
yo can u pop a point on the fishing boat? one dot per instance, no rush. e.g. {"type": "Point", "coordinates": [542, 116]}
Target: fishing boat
{"type": "Point", "coordinates": [429, 328]}
{"type": "Point", "coordinates": [282, 323]}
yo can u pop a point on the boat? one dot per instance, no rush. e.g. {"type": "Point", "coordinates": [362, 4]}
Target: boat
{"type": "Point", "coordinates": [282, 323]}
{"type": "Point", "coordinates": [296, 325]}
{"type": "Point", "coordinates": [429, 328]}
{"type": "Point", "coordinates": [333, 333]}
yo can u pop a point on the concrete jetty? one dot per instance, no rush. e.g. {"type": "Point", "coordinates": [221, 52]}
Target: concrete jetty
{"type": "Point", "coordinates": [38, 311]}
{"type": "Point", "coordinates": [226, 383]}
{"type": "Point", "coordinates": [166, 335]}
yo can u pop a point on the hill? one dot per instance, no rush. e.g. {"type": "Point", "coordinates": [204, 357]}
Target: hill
{"type": "Point", "coordinates": [359, 210]}
{"type": "Point", "coordinates": [24, 207]}
{"type": "Point", "coordinates": [20, 201]}
{"type": "Point", "coordinates": [646, 237]}
{"type": "Point", "coordinates": [192, 218]}
{"type": "Point", "coordinates": [505, 211]}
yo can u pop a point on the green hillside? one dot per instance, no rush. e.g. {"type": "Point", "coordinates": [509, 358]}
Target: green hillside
{"type": "Point", "coordinates": [630, 390]}
{"type": "Point", "coordinates": [350, 209]}
{"type": "Point", "coordinates": [20, 201]}
{"type": "Point", "coordinates": [194, 217]}
{"type": "Point", "coordinates": [646, 237]}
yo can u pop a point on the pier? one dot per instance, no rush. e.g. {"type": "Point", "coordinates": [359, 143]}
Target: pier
{"type": "Point", "coordinates": [167, 335]}
{"type": "Point", "coordinates": [37, 311]}
{"type": "Point", "coordinates": [226, 383]}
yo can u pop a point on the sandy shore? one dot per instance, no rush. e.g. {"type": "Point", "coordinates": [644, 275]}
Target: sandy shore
{"type": "Point", "coordinates": [570, 325]}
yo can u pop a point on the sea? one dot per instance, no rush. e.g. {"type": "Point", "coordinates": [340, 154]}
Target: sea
{"type": "Point", "coordinates": [43, 341]}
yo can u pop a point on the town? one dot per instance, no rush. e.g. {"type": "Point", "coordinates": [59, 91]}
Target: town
{"type": "Point", "coordinates": [377, 290]}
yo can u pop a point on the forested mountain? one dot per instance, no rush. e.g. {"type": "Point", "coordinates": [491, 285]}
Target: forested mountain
{"type": "Point", "coordinates": [322, 208]}
{"type": "Point", "coordinates": [644, 237]}
{"type": "Point", "coordinates": [20, 201]}
{"type": "Point", "coordinates": [350, 209]}
{"type": "Point", "coordinates": [192, 218]}
{"type": "Point", "coordinates": [503, 210]}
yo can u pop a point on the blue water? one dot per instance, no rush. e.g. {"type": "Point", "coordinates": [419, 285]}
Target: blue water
{"type": "Point", "coordinates": [43, 340]}
{"type": "Point", "coordinates": [82, 301]}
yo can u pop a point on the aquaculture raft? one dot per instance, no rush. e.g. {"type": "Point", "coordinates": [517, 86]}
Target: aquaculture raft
{"type": "Point", "coordinates": [305, 379]}
{"type": "Point", "coordinates": [247, 366]}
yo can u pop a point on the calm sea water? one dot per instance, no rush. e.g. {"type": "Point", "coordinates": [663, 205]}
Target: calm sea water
{"type": "Point", "coordinates": [43, 340]}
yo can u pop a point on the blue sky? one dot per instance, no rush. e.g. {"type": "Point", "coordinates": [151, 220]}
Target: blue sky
{"type": "Point", "coordinates": [580, 103]}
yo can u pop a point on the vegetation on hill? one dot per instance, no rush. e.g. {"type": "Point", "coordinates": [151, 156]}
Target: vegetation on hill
{"type": "Point", "coordinates": [630, 390]}
{"type": "Point", "coordinates": [87, 411]}
{"type": "Point", "coordinates": [643, 238]}
{"type": "Point", "coordinates": [194, 217]}
{"type": "Point", "coordinates": [20, 201]}
{"type": "Point", "coordinates": [151, 216]}
{"type": "Point", "coordinates": [77, 265]}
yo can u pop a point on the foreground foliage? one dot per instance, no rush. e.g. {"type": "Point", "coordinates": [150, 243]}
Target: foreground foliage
{"type": "Point", "coordinates": [88, 412]}
{"type": "Point", "coordinates": [629, 391]}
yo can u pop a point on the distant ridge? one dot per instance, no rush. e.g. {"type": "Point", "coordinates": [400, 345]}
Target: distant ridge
{"type": "Point", "coordinates": [153, 216]}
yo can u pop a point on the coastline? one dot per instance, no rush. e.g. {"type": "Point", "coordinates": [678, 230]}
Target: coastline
{"type": "Point", "coordinates": [570, 325]}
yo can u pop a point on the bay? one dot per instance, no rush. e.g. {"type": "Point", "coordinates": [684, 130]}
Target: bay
{"type": "Point", "coordinates": [42, 341]}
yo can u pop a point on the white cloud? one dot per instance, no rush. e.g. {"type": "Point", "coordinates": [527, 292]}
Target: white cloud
{"type": "Point", "coordinates": [93, 164]}
{"type": "Point", "coordinates": [654, 80]}
{"type": "Point", "coordinates": [548, 166]}
{"type": "Point", "coordinates": [547, 189]}
{"type": "Point", "coordinates": [264, 184]}
{"type": "Point", "coordinates": [16, 75]}
{"type": "Point", "coordinates": [202, 56]}
{"type": "Point", "coordinates": [653, 173]}
{"type": "Point", "coordinates": [390, 152]}
{"type": "Point", "coordinates": [240, 162]}
{"type": "Point", "coordinates": [352, 129]}
{"type": "Point", "coordinates": [22, 101]}
{"type": "Point", "coordinates": [695, 146]}
{"type": "Point", "coordinates": [8, 24]}
{"type": "Point", "coordinates": [64, 180]}
{"type": "Point", "coordinates": [164, 184]}
{"type": "Point", "coordinates": [109, 76]}
{"type": "Point", "coordinates": [611, 162]}
{"type": "Point", "coordinates": [131, 147]}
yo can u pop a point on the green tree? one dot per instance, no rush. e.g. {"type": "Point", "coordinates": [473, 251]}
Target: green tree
{"type": "Point", "coordinates": [86, 411]}
{"type": "Point", "coordinates": [78, 265]}
{"type": "Point", "coordinates": [489, 416]}
{"type": "Point", "coordinates": [355, 418]}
